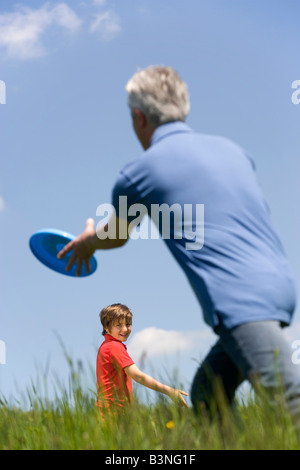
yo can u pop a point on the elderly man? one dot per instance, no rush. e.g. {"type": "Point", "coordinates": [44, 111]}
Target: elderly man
{"type": "Point", "coordinates": [240, 273]}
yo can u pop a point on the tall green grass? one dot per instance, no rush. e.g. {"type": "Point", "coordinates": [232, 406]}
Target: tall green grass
{"type": "Point", "coordinates": [70, 421]}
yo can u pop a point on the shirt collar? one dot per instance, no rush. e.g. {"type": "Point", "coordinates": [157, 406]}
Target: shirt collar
{"type": "Point", "coordinates": [169, 128]}
{"type": "Point", "coordinates": [108, 338]}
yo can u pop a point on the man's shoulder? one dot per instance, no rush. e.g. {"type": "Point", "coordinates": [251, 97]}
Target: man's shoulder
{"type": "Point", "coordinates": [159, 156]}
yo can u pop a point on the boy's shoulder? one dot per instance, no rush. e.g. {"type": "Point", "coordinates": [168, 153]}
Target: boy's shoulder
{"type": "Point", "coordinates": [112, 345]}
{"type": "Point", "coordinates": [114, 351]}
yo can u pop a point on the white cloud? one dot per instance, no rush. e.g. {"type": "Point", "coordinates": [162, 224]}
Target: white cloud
{"type": "Point", "coordinates": [153, 342]}
{"type": "Point", "coordinates": [66, 17]}
{"type": "Point", "coordinates": [21, 31]}
{"type": "Point", "coordinates": [106, 23]}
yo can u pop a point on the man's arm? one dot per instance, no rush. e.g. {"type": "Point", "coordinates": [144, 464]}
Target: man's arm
{"type": "Point", "coordinates": [144, 379]}
{"type": "Point", "coordinates": [91, 240]}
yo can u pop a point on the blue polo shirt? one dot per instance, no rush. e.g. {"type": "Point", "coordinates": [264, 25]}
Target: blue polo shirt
{"type": "Point", "coordinates": [238, 271]}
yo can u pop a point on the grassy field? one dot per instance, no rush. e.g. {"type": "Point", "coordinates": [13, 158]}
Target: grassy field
{"type": "Point", "coordinates": [72, 422]}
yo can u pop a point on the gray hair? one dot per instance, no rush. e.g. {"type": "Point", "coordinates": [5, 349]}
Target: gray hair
{"type": "Point", "coordinates": [160, 94]}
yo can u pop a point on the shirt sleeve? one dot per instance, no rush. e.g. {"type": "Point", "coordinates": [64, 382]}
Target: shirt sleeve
{"type": "Point", "coordinates": [124, 195]}
{"type": "Point", "coordinates": [120, 356]}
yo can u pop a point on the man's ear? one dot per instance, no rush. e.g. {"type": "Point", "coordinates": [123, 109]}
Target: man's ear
{"type": "Point", "coordinates": [141, 119]}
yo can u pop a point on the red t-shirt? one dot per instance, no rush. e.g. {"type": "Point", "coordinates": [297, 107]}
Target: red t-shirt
{"type": "Point", "coordinates": [113, 384]}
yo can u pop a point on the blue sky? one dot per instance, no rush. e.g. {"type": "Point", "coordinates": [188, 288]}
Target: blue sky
{"type": "Point", "coordinates": [66, 133]}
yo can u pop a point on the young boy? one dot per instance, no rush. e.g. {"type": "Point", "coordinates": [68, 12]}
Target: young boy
{"type": "Point", "coordinates": [115, 368]}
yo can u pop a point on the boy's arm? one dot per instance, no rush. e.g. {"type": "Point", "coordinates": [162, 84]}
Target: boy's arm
{"type": "Point", "coordinates": [144, 379]}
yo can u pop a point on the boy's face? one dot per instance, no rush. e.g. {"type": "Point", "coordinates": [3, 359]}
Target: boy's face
{"type": "Point", "coordinates": [120, 330]}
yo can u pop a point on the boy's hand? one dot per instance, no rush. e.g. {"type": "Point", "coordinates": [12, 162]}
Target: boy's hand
{"type": "Point", "coordinates": [176, 397]}
{"type": "Point", "coordinates": [83, 248]}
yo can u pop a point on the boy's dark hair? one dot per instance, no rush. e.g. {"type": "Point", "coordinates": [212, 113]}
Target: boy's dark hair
{"type": "Point", "coordinates": [113, 313]}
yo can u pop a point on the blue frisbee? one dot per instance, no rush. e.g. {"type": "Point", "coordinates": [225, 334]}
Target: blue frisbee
{"type": "Point", "coordinates": [46, 244]}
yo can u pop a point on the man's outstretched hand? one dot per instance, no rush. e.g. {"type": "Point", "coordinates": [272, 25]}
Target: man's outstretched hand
{"type": "Point", "coordinates": [83, 248]}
